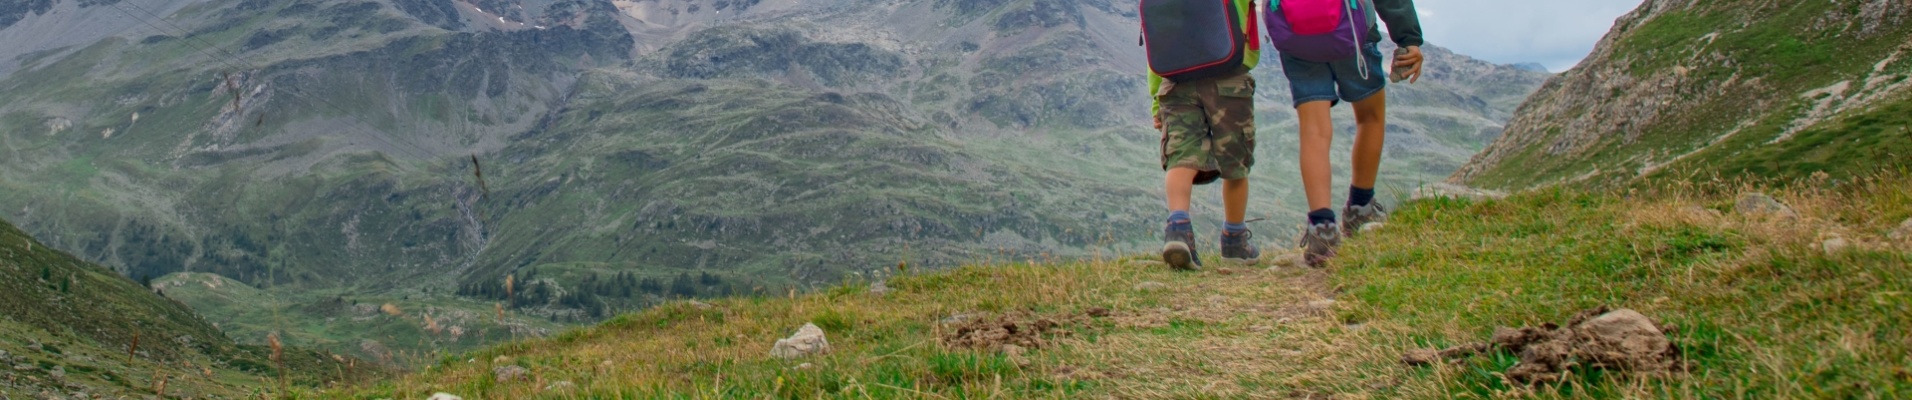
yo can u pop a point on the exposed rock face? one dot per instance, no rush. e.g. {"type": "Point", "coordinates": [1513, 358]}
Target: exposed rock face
{"type": "Point", "coordinates": [1675, 78]}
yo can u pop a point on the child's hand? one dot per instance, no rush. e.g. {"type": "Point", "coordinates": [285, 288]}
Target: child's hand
{"type": "Point", "coordinates": [1411, 62]}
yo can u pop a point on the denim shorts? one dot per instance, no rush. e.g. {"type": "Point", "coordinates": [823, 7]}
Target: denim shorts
{"type": "Point", "coordinates": [1335, 81]}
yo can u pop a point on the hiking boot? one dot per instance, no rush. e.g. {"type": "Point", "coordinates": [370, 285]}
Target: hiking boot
{"type": "Point", "coordinates": [1179, 249]}
{"type": "Point", "coordinates": [1357, 217]}
{"type": "Point", "coordinates": [1240, 248]}
{"type": "Point", "coordinates": [1320, 241]}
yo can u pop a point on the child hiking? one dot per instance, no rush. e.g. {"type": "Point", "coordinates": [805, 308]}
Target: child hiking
{"type": "Point", "coordinates": [1199, 53]}
{"type": "Point", "coordinates": [1330, 53]}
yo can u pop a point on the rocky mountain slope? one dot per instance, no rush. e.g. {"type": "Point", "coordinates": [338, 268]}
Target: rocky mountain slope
{"type": "Point", "coordinates": [606, 155]}
{"type": "Point", "coordinates": [1697, 89]}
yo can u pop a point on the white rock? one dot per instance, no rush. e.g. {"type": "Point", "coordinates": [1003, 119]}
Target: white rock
{"type": "Point", "coordinates": [444, 396]}
{"type": "Point", "coordinates": [1835, 245]}
{"type": "Point", "coordinates": [561, 386]}
{"type": "Point", "coordinates": [1150, 286]}
{"type": "Point", "coordinates": [879, 288]}
{"type": "Point", "coordinates": [1904, 232]}
{"type": "Point", "coordinates": [808, 340]}
{"type": "Point", "coordinates": [1322, 304]}
{"type": "Point", "coordinates": [1760, 204]}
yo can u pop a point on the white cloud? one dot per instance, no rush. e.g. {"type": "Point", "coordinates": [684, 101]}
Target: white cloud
{"type": "Point", "coordinates": [1554, 33]}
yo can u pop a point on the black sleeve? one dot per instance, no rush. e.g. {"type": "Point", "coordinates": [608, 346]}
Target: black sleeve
{"type": "Point", "coordinates": [1404, 25]}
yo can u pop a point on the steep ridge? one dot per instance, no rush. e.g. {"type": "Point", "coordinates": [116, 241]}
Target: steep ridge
{"type": "Point", "coordinates": [1695, 89]}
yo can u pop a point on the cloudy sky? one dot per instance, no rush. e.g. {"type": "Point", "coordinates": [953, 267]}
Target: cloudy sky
{"type": "Point", "coordinates": [1554, 33]}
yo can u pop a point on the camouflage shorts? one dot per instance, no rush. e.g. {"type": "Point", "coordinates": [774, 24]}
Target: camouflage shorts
{"type": "Point", "coordinates": [1209, 125]}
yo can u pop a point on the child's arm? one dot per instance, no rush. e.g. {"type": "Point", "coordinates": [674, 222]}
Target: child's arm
{"type": "Point", "coordinates": [1404, 24]}
{"type": "Point", "coordinates": [1155, 104]}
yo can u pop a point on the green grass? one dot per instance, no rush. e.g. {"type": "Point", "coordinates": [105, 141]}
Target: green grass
{"type": "Point", "coordinates": [1755, 307]}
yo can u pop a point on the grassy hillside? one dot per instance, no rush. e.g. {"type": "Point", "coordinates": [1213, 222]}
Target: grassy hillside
{"type": "Point", "coordinates": [1694, 90]}
{"type": "Point", "coordinates": [1758, 306]}
{"type": "Point", "coordinates": [328, 152]}
{"type": "Point", "coordinates": [75, 327]}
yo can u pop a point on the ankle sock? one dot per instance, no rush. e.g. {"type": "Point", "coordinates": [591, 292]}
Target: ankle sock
{"type": "Point", "coordinates": [1360, 197]}
{"type": "Point", "coordinates": [1321, 216]}
{"type": "Point", "coordinates": [1178, 217]}
{"type": "Point", "coordinates": [1235, 228]}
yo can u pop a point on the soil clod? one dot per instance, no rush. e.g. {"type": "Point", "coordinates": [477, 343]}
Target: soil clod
{"type": "Point", "coordinates": [995, 334]}
{"type": "Point", "coordinates": [1619, 340]}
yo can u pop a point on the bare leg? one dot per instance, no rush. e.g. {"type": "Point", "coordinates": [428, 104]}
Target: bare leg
{"type": "Point", "coordinates": [1371, 121]}
{"type": "Point", "coordinates": [1235, 200]}
{"type": "Point", "coordinates": [1181, 184]}
{"type": "Point", "coordinates": [1317, 137]}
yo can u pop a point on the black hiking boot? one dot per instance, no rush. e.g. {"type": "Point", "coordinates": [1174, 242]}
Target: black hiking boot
{"type": "Point", "coordinates": [1179, 249]}
{"type": "Point", "coordinates": [1357, 217]}
{"type": "Point", "coordinates": [1320, 241]}
{"type": "Point", "coordinates": [1240, 248]}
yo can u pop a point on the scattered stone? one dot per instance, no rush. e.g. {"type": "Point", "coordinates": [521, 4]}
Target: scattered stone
{"type": "Point", "coordinates": [1620, 340]}
{"type": "Point", "coordinates": [1760, 204]}
{"type": "Point", "coordinates": [25, 367]}
{"type": "Point", "coordinates": [1904, 232]}
{"type": "Point", "coordinates": [561, 386]}
{"type": "Point", "coordinates": [36, 347]}
{"type": "Point", "coordinates": [879, 288]}
{"type": "Point", "coordinates": [1835, 245]}
{"type": "Point", "coordinates": [509, 373]}
{"type": "Point", "coordinates": [1145, 264]}
{"type": "Point", "coordinates": [700, 305]}
{"type": "Point", "coordinates": [1098, 312]}
{"type": "Point", "coordinates": [806, 366]}
{"type": "Point", "coordinates": [808, 340]}
{"type": "Point", "coordinates": [4, 356]}
{"type": "Point", "coordinates": [444, 396]}
{"type": "Point", "coordinates": [1323, 304]}
{"type": "Point", "coordinates": [1150, 286]}
{"type": "Point", "coordinates": [1453, 191]}
{"type": "Point", "coordinates": [58, 372]}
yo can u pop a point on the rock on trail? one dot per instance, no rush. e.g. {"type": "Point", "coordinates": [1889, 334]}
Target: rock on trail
{"type": "Point", "coordinates": [809, 340]}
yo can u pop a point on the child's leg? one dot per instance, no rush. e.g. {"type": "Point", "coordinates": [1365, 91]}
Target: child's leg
{"type": "Point", "coordinates": [1235, 200]}
{"type": "Point", "coordinates": [1370, 118]}
{"type": "Point", "coordinates": [1181, 185]}
{"type": "Point", "coordinates": [1317, 136]}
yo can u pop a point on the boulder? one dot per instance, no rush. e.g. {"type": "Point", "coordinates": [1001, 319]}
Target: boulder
{"type": "Point", "coordinates": [510, 373]}
{"type": "Point", "coordinates": [1904, 232]}
{"type": "Point", "coordinates": [809, 340]}
{"type": "Point", "coordinates": [1762, 205]}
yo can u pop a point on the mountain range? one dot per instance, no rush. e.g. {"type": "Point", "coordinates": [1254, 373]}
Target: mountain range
{"type": "Point", "coordinates": [507, 167]}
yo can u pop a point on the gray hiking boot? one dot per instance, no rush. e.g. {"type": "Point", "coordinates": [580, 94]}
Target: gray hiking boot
{"type": "Point", "coordinates": [1356, 217]}
{"type": "Point", "coordinates": [1240, 248]}
{"type": "Point", "coordinates": [1179, 247]}
{"type": "Point", "coordinates": [1320, 241]}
